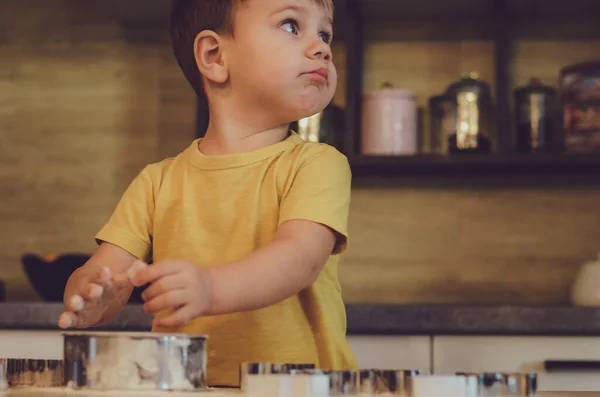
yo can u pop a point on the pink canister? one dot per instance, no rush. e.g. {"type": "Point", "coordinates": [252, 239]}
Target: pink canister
{"type": "Point", "coordinates": [389, 123]}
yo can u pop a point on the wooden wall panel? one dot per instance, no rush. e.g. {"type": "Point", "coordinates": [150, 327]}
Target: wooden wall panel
{"type": "Point", "coordinates": [545, 58]}
{"type": "Point", "coordinates": [85, 103]}
{"type": "Point", "coordinates": [79, 104]}
{"type": "Point", "coordinates": [468, 245]}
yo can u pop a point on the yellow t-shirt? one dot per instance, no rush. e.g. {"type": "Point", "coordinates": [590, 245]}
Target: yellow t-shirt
{"type": "Point", "coordinates": [214, 209]}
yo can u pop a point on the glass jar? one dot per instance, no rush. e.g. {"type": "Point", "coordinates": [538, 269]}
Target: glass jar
{"type": "Point", "coordinates": [535, 107]}
{"type": "Point", "coordinates": [472, 113]}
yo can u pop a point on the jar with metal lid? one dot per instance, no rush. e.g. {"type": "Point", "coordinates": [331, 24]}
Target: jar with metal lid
{"type": "Point", "coordinates": [535, 106]}
{"type": "Point", "coordinates": [579, 88]}
{"type": "Point", "coordinates": [389, 122]}
{"type": "Point", "coordinates": [472, 100]}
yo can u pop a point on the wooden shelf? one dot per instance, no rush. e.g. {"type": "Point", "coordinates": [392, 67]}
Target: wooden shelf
{"type": "Point", "coordinates": [474, 165]}
{"type": "Point", "coordinates": [501, 21]}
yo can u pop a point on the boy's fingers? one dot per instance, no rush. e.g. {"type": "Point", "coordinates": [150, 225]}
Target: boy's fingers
{"type": "Point", "coordinates": [103, 277]}
{"type": "Point", "coordinates": [95, 291]}
{"type": "Point", "coordinates": [183, 315]}
{"type": "Point", "coordinates": [162, 285]}
{"type": "Point", "coordinates": [67, 320]}
{"type": "Point", "coordinates": [135, 268]}
{"type": "Point", "coordinates": [75, 303]}
{"type": "Point", "coordinates": [150, 274]}
{"type": "Point", "coordinates": [165, 301]}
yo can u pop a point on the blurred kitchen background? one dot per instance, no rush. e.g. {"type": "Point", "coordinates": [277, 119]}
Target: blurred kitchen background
{"type": "Point", "coordinates": [503, 212]}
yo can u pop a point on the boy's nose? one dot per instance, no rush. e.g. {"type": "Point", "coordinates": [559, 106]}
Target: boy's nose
{"type": "Point", "coordinates": [319, 50]}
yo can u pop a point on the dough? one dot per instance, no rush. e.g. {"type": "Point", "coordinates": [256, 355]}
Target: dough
{"type": "Point", "coordinates": [138, 363]}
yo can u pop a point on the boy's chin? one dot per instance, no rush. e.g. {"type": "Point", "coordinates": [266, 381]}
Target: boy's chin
{"type": "Point", "coordinates": [308, 106]}
{"type": "Point", "coordinates": [300, 114]}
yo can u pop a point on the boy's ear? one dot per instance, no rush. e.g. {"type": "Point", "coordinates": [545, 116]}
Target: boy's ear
{"type": "Point", "coordinates": [209, 56]}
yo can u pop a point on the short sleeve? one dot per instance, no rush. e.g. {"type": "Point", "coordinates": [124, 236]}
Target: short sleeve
{"type": "Point", "coordinates": [320, 192]}
{"type": "Point", "coordinates": [130, 226]}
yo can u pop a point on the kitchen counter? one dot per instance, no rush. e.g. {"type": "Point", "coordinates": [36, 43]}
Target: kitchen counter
{"type": "Point", "coordinates": [424, 319]}
{"type": "Point", "coordinates": [419, 319]}
{"type": "Point", "coordinates": [44, 316]}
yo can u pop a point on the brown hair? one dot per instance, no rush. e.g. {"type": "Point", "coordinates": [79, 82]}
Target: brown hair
{"type": "Point", "coordinates": [190, 17]}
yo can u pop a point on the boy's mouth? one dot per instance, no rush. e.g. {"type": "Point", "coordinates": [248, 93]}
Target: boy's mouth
{"type": "Point", "coordinates": [320, 74]}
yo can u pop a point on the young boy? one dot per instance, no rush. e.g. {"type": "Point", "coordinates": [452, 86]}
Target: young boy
{"type": "Point", "coordinates": [246, 225]}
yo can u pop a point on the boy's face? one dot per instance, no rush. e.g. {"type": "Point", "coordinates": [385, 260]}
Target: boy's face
{"type": "Point", "coordinates": [280, 58]}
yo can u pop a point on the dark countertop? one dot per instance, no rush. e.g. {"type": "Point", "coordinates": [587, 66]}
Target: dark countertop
{"type": "Point", "coordinates": [44, 316]}
{"type": "Point", "coordinates": [418, 319]}
{"type": "Point", "coordinates": [430, 319]}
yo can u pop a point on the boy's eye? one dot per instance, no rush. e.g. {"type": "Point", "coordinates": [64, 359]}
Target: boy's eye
{"type": "Point", "coordinates": [290, 26]}
{"type": "Point", "coordinates": [326, 37]}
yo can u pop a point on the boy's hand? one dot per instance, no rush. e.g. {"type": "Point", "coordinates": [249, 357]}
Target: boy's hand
{"type": "Point", "coordinates": [179, 286]}
{"type": "Point", "coordinates": [87, 307]}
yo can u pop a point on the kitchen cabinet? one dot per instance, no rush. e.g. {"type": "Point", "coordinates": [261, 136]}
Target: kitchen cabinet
{"type": "Point", "coordinates": [438, 354]}
{"type": "Point", "coordinates": [410, 352]}
{"type": "Point", "coordinates": [31, 344]}
{"type": "Point", "coordinates": [522, 354]}
{"type": "Point", "coordinates": [391, 352]}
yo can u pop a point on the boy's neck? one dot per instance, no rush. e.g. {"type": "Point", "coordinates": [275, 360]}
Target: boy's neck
{"type": "Point", "coordinates": [229, 136]}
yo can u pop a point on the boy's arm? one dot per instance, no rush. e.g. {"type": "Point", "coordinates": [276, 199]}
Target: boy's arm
{"type": "Point", "coordinates": [291, 263]}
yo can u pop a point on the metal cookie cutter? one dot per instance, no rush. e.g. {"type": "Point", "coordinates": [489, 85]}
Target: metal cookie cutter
{"type": "Point", "coordinates": [18, 372]}
{"type": "Point", "coordinates": [264, 368]}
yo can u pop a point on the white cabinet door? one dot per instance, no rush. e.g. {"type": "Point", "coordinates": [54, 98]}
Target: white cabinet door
{"type": "Point", "coordinates": [391, 352]}
{"type": "Point", "coordinates": [520, 354]}
{"type": "Point", "coordinates": [31, 344]}
{"type": "Point", "coordinates": [385, 352]}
